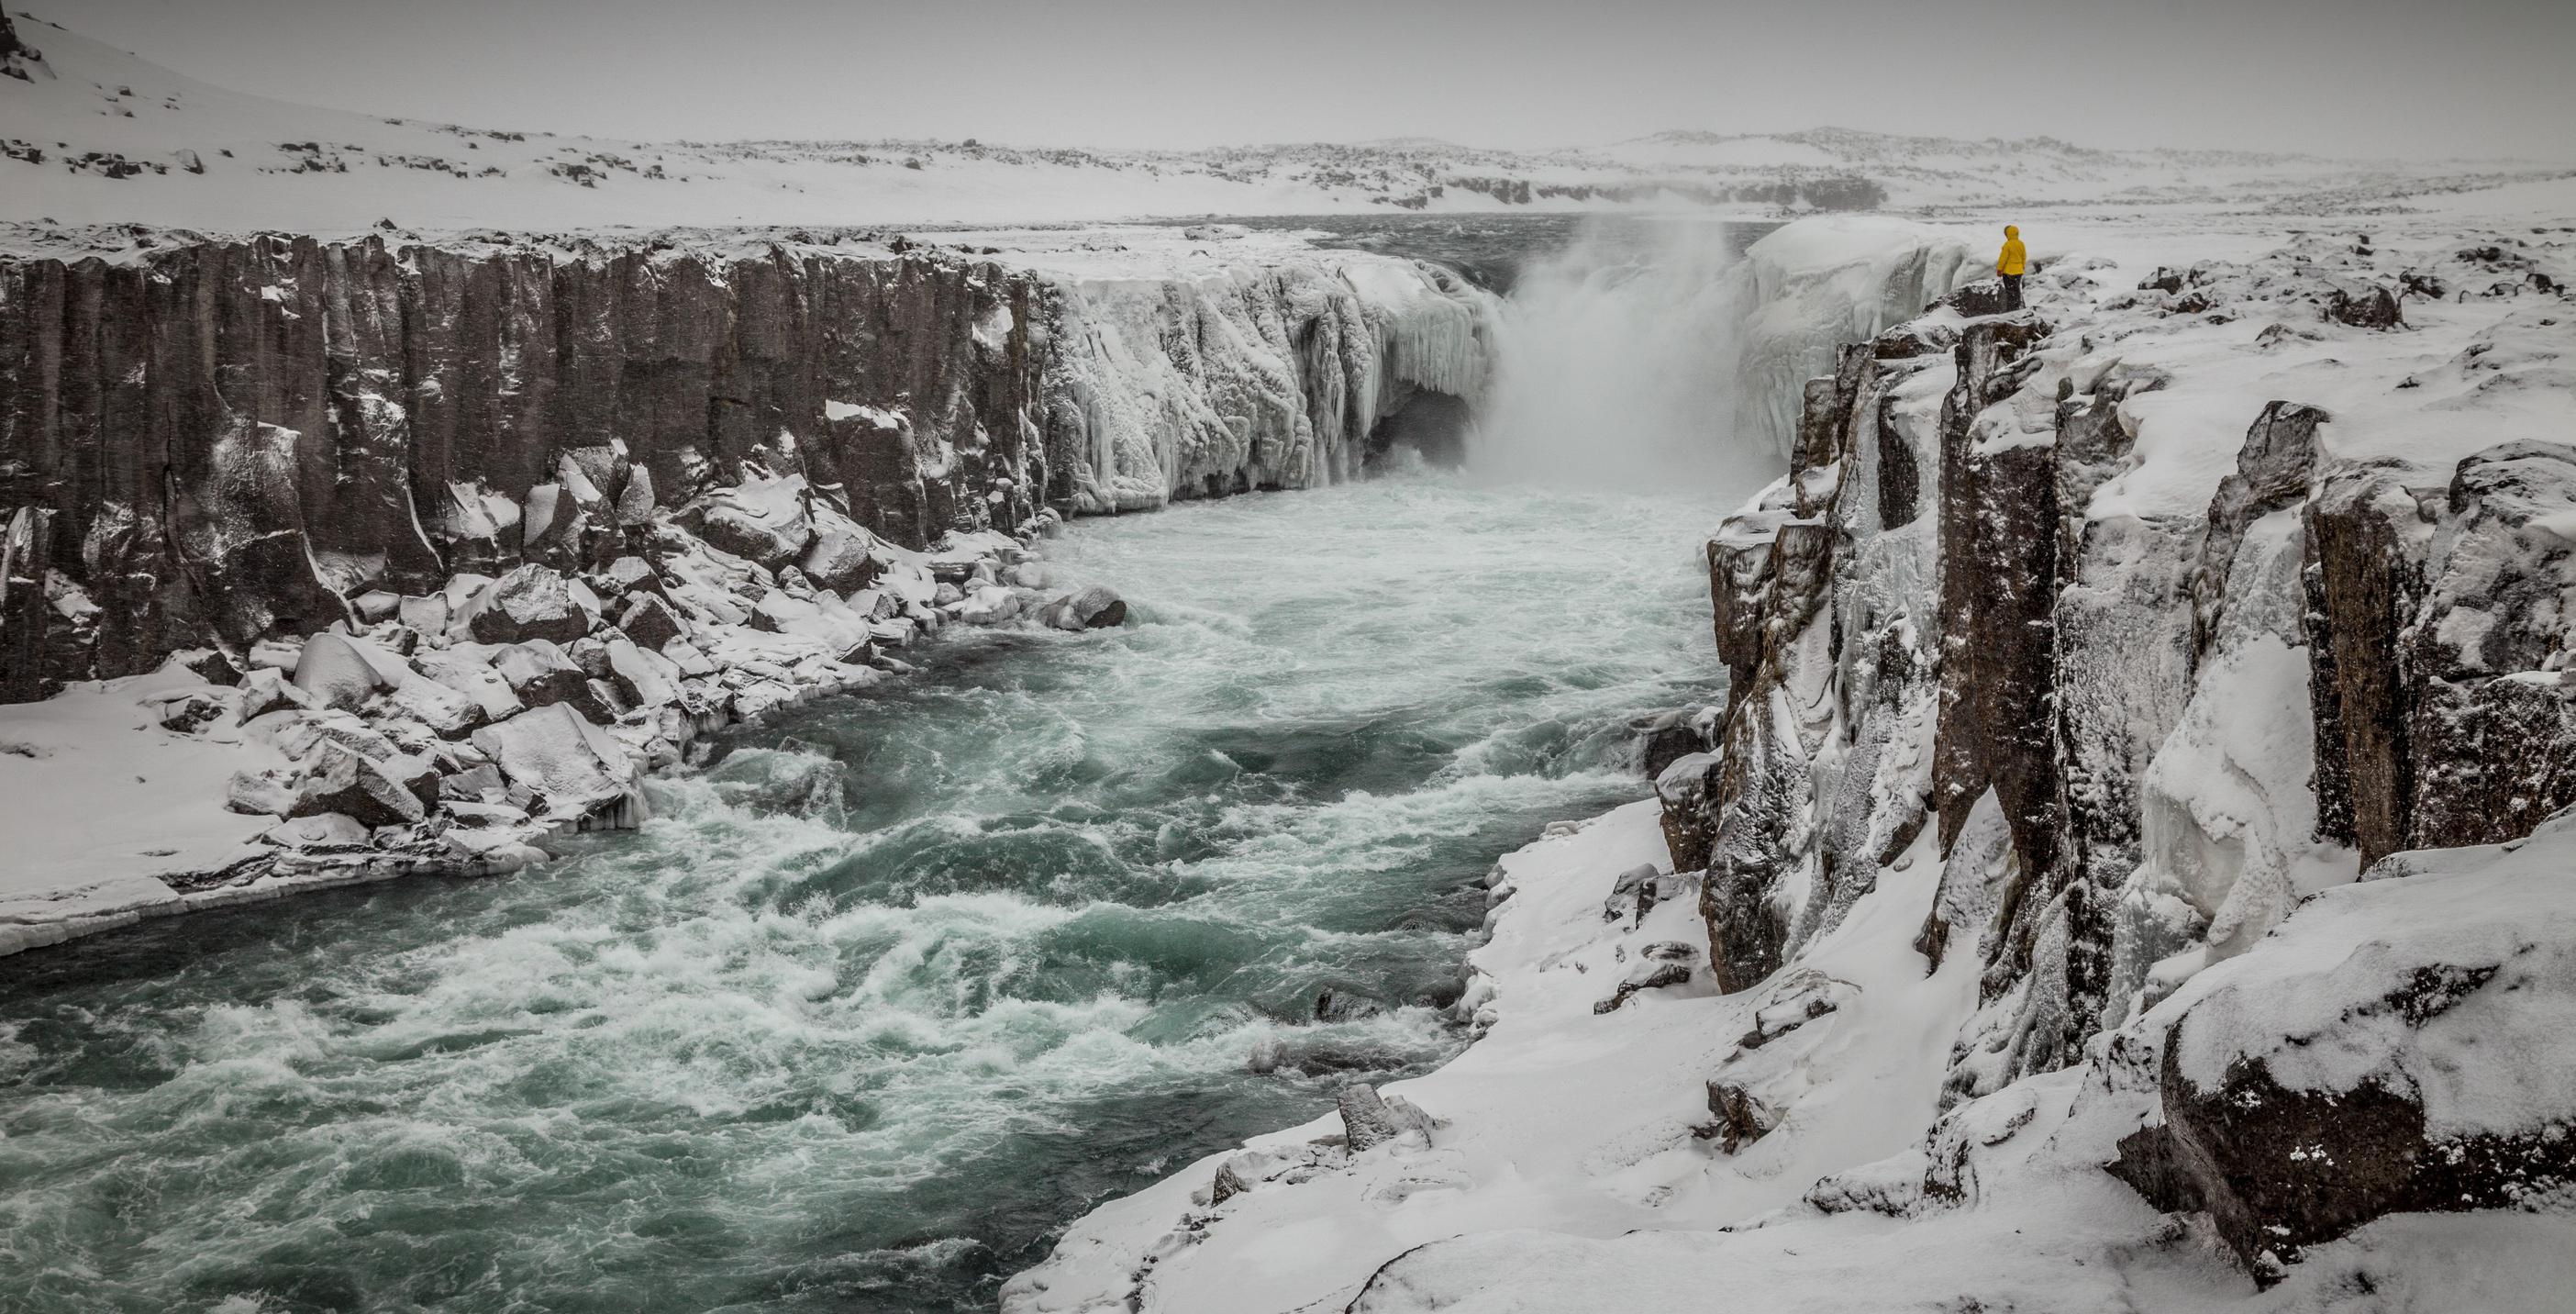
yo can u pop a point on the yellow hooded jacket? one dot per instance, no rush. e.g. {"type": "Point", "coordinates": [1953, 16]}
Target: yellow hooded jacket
{"type": "Point", "coordinates": [2014, 256]}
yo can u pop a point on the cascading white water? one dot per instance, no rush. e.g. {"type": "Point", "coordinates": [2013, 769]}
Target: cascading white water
{"type": "Point", "coordinates": [1666, 354]}
{"type": "Point", "coordinates": [1618, 364]}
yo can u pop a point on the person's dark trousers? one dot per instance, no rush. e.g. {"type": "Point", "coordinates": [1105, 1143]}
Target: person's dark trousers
{"type": "Point", "coordinates": [2012, 293]}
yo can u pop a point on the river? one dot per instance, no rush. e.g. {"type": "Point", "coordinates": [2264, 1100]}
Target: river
{"type": "Point", "coordinates": [897, 984]}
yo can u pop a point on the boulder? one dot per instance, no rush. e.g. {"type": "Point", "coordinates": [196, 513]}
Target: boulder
{"type": "Point", "coordinates": [342, 781]}
{"type": "Point", "coordinates": [842, 560]}
{"type": "Point", "coordinates": [1369, 1121]}
{"type": "Point", "coordinates": [1979, 299]}
{"type": "Point", "coordinates": [211, 665]}
{"type": "Point", "coordinates": [531, 602]}
{"type": "Point", "coordinates": [452, 714]}
{"type": "Point", "coordinates": [327, 832]}
{"type": "Point", "coordinates": [472, 675]}
{"type": "Point", "coordinates": [333, 673]}
{"type": "Point", "coordinates": [627, 576]}
{"type": "Point", "coordinates": [2364, 305]}
{"type": "Point", "coordinates": [991, 604]}
{"type": "Point", "coordinates": [649, 621]}
{"type": "Point", "coordinates": [2396, 1045]}
{"type": "Point", "coordinates": [762, 520]}
{"type": "Point", "coordinates": [476, 784]}
{"type": "Point", "coordinates": [259, 793]}
{"type": "Point", "coordinates": [1094, 608]}
{"type": "Point", "coordinates": [575, 770]}
{"type": "Point", "coordinates": [540, 673]}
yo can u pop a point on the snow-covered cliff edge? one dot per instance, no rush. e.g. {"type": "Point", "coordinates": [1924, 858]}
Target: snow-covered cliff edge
{"type": "Point", "coordinates": [2004, 947]}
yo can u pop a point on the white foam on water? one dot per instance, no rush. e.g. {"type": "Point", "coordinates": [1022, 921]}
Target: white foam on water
{"type": "Point", "coordinates": [902, 981]}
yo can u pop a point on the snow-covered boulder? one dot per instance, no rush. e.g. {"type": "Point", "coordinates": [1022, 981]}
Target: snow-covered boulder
{"type": "Point", "coordinates": [759, 519]}
{"type": "Point", "coordinates": [2407, 1043]}
{"type": "Point", "coordinates": [335, 674]}
{"type": "Point", "coordinates": [1369, 1120]}
{"type": "Point", "coordinates": [344, 782]}
{"type": "Point", "coordinates": [991, 604]}
{"type": "Point", "coordinates": [577, 771]}
{"type": "Point", "coordinates": [531, 602]}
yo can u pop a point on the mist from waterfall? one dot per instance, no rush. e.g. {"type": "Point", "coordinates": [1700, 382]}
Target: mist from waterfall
{"type": "Point", "coordinates": [1618, 361]}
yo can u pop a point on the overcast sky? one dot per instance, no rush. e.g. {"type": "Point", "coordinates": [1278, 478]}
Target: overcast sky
{"type": "Point", "coordinates": [2376, 77]}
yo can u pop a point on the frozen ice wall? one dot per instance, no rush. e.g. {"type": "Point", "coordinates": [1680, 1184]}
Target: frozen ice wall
{"type": "Point", "coordinates": [1269, 375]}
{"type": "Point", "coordinates": [1816, 284]}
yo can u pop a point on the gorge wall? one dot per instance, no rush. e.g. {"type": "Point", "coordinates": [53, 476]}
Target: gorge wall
{"type": "Point", "coordinates": [221, 441]}
{"type": "Point", "coordinates": [2140, 720]}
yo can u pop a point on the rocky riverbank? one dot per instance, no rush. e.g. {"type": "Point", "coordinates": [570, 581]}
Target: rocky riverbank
{"type": "Point", "coordinates": [439, 544]}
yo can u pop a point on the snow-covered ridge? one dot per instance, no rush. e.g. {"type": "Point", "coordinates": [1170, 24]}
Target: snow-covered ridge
{"type": "Point", "coordinates": [90, 134]}
{"type": "Point", "coordinates": [2082, 663]}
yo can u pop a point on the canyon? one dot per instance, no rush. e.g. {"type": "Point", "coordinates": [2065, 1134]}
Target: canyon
{"type": "Point", "coordinates": [2089, 826]}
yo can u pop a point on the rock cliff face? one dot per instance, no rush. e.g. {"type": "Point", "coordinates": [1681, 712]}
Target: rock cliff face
{"type": "Point", "coordinates": [2134, 732]}
{"type": "Point", "coordinates": [228, 440]}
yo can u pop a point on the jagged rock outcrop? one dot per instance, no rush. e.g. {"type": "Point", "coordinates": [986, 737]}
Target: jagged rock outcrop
{"type": "Point", "coordinates": [1935, 620]}
{"type": "Point", "coordinates": [2392, 1051]}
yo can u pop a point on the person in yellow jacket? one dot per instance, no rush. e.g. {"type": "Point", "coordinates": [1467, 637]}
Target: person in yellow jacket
{"type": "Point", "coordinates": [2010, 264]}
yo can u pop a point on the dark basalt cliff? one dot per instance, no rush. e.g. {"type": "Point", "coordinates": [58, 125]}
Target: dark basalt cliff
{"type": "Point", "coordinates": [1928, 630]}
{"type": "Point", "coordinates": [223, 442]}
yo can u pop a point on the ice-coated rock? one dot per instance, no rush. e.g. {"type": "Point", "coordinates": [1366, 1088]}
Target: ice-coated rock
{"type": "Point", "coordinates": [1095, 608]}
{"type": "Point", "coordinates": [991, 604]}
{"type": "Point", "coordinates": [1369, 1121]}
{"type": "Point", "coordinates": [573, 766]}
{"type": "Point", "coordinates": [531, 602]}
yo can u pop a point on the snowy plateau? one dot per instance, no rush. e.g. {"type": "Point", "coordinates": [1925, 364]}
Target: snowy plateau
{"type": "Point", "coordinates": [2131, 868]}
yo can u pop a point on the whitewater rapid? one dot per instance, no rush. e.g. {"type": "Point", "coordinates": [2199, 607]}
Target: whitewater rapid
{"type": "Point", "coordinates": [895, 986]}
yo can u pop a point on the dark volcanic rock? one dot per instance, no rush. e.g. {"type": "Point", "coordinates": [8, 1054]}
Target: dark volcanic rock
{"type": "Point", "coordinates": [2364, 306]}
{"type": "Point", "coordinates": [2389, 1051]}
{"type": "Point", "coordinates": [344, 782]}
{"type": "Point", "coordinates": [188, 435]}
{"type": "Point", "coordinates": [1094, 608]}
{"type": "Point", "coordinates": [2272, 472]}
{"type": "Point", "coordinates": [531, 602]}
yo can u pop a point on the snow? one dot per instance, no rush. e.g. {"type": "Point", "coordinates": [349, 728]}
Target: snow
{"type": "Point", "coordinates": [199, 156]}
{"type": "Point", "coordinates": [1558, 1117]}
{"type": "Point", "coordinates": [2495, 1061]}
{"type": "Point", "coordinates": [97, 802]}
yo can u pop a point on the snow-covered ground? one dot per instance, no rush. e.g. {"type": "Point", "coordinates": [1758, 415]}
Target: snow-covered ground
{"type": "Point", "coordinates": [96, 135]}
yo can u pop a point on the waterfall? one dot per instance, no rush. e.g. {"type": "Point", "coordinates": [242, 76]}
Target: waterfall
{"type": "Point", "coordinates": [1664, 353]}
